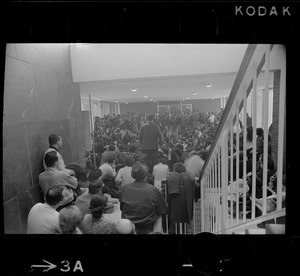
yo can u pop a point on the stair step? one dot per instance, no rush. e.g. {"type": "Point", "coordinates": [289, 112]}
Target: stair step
{"type": "Point", "coordinates": [275, 228]}
{"type": "Point", "coordinates": [255, 231]}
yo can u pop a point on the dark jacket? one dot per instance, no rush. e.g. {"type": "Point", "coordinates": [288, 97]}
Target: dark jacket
{"type": "Point", "coordinates": [150, 136]}
{"type": "Point", "coordinates": [181, 192]}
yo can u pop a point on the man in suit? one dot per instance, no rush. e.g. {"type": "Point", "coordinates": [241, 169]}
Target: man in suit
{"type": "Point", "coordinates": [150, 137]}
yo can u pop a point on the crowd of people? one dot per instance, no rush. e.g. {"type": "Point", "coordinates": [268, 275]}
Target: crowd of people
{"type": "Point", "coordinates": [236, 188]}
{"type": "Point", "coordinates": [140, 178]}
{"type": "Point", "coordinates": [134, 181]}
{"type": "Point", "coordinates": [193, 131]}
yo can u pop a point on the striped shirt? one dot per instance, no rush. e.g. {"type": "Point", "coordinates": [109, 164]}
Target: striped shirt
{"type": "Point", "coordinates": [129, 154]}
{"type": "Point", "coordinates": [101, 225]}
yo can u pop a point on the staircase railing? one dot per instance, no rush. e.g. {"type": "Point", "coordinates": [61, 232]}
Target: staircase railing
{"type": "Point", "coordinates": [236, 190]}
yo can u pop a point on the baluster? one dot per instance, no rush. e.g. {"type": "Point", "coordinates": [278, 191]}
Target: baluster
{"type": "Point", "coordinates": [244, 150]}
{"type": "Point", "coordinates": [202, 203]}
{"type": "Point", "coordinates": [237, 161]}
{"type": "Point", "coordinates": [231, 172]}
{"type": "Point", "coordinates": [254, 122]}
{"type": "Point", "coordinates": [265, 125]}
{"type": "Point", "coordinates": [281, 127]}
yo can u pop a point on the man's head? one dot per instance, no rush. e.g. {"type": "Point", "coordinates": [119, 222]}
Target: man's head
{"type": "Point", "coordinates": [94, 174]}
{"type": "Point", "coordinates": [124, 226]}
{"type": "Point", "coordinates": [51, 159]}
{"type": "Point", "coordinates": [129, 161]}
{"type": "Point", "coordinates": [161, 157]}
{"type": "Point", "coordinates": [111, 147]}
{"type": "Point", "coordinates": [54, 196]}
{"type": "Point", "coordinates": [139, 171]}
{"type": "Point", "coordinates": [151, 117]}
{"type": "Point", "coordinates": [55, 140]}
{"type": "Point", "coordinates": [110, 160]}
{"type": "Point", "coordinates": [132, 148]}
{"type": "Point", "coordinates": [95, 187]}
{"type": "Point", "coordinates": [179, 167]}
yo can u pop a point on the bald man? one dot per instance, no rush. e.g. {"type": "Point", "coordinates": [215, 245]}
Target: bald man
{"type": "Point", "coordinates": [125, 226]}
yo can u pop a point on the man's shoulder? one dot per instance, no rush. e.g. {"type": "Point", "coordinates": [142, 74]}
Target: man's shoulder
{"type": "Point", "coordinates": [83, 197]}
{"type": "Point", "coordinates": [48, 150]}
{"type": "Point", "coordinates": [49, 172]}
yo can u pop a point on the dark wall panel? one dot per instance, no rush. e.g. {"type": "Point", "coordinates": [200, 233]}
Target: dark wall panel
{"type": "Point", "coordinates": [19, 85]}
{"type": "Point", "coordinates": [47, 95]}
{"type": "Point", "coordinates": [12, 223]}
{"type": "Point", "coordinates": [16, 164]}
{"type": "Point", "coordinates": [40, 98]}
{"type": "Point", "coordinates": [37, 144]}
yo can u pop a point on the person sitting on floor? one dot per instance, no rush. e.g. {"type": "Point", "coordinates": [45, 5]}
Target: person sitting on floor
{"type": "Point", "coordinates": [108, 178]}
{"type": "Point", "coordinates": [54, 177]}
{"type": "Point", "coordinates": [83, 201]}
{"type": "Point", "coordinates": [43, 217]}
{"type": "Point", "coordinates": [125, 226]}
{"type": "Point", "coordinates": [124, 174]}
{"type": "Point", "coordinates": [141, 202]}
{"type": "Point", "coordinates": [160, 171]}
{"type": "Point", "coordinates": [70, 219]}
{"type": "Point", "coordinates": [95, 223]}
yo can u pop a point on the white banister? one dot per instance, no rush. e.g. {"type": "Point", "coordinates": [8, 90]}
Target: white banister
{"type": "Point", "coordinates": [222, 170]}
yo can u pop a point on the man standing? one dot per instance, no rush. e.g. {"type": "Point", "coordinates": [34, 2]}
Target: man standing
{"type": "Point", "coordinates": [150, 136]}
{"type": "Point", "coordinates": [142, 203]}
{"type": "Point", "coordinates": [55, 144]}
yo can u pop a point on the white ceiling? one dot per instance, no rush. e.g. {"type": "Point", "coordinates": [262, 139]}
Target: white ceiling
{"type": "Point", "coordinates": [162, 71]}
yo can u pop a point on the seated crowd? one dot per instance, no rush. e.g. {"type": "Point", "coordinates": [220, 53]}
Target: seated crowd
{"type": "Point", "coordinates": [117, 193]}
{"type": "Point", "coordinates": [236, 188]}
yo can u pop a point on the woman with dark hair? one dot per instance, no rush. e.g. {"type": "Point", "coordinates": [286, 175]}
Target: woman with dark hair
{"type": "Point", "coordinates": [95, 223]}
{"type": "Point", "coordinates": [181, 192]}
{"type": "Point", "coordinates": [81, 175]}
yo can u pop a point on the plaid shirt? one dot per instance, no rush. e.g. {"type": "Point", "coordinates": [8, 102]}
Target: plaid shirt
{"type": "Point", "coordinates": [91, 225]}
{"type": "Point", "coordinates": [129, 154]}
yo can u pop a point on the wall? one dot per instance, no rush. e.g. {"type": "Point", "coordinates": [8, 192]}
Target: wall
{"type": "Point", "coordinates": [40, 98]}
{"type": "Point", "coordinates": [205, 105]}
{"type": "Point", "coordinates": [148, 107]}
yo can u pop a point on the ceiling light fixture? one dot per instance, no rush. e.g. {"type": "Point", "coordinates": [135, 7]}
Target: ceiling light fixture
{"type": "Point", "coordinates": [187, 98]}
{"type": "Point", "coordinates": [133, 89]}
{"type": "Point", "coordinates": [146, 96]}
{"type": "Point", "coordinates": [209, 85]}
{"type": "Point", "coordinates": [151, 100]}
{"type": "Point", "coordinates": [195, 93]}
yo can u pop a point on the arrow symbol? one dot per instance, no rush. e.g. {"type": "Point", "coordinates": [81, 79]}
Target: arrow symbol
{"type": "Point", "coordinates": [49, 266]}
